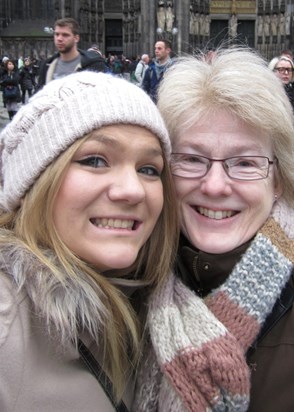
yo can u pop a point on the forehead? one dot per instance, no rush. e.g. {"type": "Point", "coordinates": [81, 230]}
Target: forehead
{"type": "Point", "coordinates": [160, 45]}
{"type": "Point", "coordinates": [284, 63]}
{"type": "Point", "coordinates": [220, 131]}
{"type": "Point", "coordinates": [63, 29]}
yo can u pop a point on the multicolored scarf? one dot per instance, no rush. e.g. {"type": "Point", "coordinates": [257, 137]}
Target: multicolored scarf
{"type": "Point", "coordinates": [196, 361]}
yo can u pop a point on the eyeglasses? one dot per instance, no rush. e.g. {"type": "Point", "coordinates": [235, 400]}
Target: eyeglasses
{"type": "Point", "coordinates": [238, 167]}
{"type": "Point", "coordinates": [283, 70]}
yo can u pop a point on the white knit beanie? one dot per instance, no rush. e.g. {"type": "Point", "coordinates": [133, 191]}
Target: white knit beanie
{"type": "Point", "coordinates": [62, 112]}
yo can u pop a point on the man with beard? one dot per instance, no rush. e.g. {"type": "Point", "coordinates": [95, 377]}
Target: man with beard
{"type": "Point", "coordinates": [68, 58]}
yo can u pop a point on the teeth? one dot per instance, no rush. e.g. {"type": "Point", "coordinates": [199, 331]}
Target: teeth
{"type": "Point", "coordinates": [212, 214]}
{"type": "Point", "coordinates": [113, 223]}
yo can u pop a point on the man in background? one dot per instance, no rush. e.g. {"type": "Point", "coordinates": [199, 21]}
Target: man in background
{"type": "Point", "coordinates": [155, 71]}
{"type": "Point", "coordinates": [68, 58]}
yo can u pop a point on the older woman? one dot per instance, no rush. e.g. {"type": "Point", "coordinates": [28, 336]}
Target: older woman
{"type": "Point", "coordinates": [222, 328]}
{"type": "Point", "coordinates": [283, 68]}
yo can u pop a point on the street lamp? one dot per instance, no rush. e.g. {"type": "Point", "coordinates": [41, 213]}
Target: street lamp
{"type": "Point", "coordinates": [174, 32]}
{"type": "Point", "coordinates": [48, 30]}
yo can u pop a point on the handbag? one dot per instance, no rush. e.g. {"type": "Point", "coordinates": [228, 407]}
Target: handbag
{"type": "Point", "coordinates": [11, 92]}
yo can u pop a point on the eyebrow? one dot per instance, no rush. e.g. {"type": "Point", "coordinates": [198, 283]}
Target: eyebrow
{"type": "Point", "coordinates": [115, 143]}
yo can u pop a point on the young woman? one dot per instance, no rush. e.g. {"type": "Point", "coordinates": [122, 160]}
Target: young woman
{"type": "Point", "coordinates": [87, 226]}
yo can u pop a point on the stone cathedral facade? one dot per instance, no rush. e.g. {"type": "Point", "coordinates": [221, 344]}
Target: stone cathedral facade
{"type": "Point", "coordinates": [131, 27]}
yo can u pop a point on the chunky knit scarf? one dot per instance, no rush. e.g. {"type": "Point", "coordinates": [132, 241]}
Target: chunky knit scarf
{"type": "Point", "coordinates": [160, 68]}
{"type": "Point", "coordinates": [197, 358]}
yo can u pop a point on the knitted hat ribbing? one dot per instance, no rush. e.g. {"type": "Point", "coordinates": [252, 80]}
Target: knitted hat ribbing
{"type": "Point", "coordinates": [62, 112]}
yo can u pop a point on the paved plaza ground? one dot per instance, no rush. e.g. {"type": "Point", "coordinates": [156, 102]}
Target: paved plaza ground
{"type": "Point", "coordinates": [4, 119]}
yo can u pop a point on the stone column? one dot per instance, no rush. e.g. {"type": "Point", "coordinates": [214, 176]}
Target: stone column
{"type": "Point", "coordinates": [182, 23]}
{"type": "Point", "coordinates": [148, 26]}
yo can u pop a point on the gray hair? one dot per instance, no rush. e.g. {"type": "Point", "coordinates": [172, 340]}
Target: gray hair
{"type": "Point", "coordinates": [236, 80]}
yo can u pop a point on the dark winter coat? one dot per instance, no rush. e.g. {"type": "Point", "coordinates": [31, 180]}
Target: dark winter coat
{"type": "Point", "coordinates": [9, 80]}
{"type": "Point", "coordinates": [151, 80]}
{"type": "Point", "coordinates": [26, 78]}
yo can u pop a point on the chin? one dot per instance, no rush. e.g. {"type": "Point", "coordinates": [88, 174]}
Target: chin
{"type": "Point", "coordinates": [215, 247]}
{"type": "Point", "coordinates": [116, 264]}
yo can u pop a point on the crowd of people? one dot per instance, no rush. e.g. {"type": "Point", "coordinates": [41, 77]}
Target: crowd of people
{"type": "Point", "coordinates": [147, 232]}
{"type": "Point", "coordinates": [25, 76]}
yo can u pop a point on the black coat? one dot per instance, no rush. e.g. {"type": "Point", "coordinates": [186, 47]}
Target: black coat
{"type": "Point", "coordinates": [26, 78]}
{"type": "Point", "coordinates": [289, 88]}
{"type": "Point", "coordinates": [9, 80]}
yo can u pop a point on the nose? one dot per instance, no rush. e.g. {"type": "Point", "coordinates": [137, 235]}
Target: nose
{"type": "Point", "coordinates": [216, 182]}
{"type": "Point", "coordinates": [127, 187]}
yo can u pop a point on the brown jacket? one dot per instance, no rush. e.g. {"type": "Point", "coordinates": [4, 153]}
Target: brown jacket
{"type": "Point", "coordinates": [272, 368]}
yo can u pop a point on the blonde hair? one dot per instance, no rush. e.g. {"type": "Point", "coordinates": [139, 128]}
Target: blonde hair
{"type": "Point", "coordinates": [272, 64]}
{"type": "Point", "coordinates": [236, 80]}
{"type": "Point", "coordinates": [31, 226]}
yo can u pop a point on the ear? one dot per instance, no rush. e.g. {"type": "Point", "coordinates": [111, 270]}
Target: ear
{"type": "Point", "coordinates": [77, 38]}
{"type": "Point", "coordinates": [278, 189]}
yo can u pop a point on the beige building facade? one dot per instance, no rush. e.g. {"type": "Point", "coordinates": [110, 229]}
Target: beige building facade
{"type": "Point", "coordinates": [131, 27]}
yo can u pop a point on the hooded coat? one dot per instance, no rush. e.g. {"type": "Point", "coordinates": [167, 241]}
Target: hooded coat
{"type": "Point", "coordinates": [41, 369]}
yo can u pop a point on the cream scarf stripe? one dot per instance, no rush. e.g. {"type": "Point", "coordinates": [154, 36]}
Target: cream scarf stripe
{"type": "Point", "coordinates": [176, 311]}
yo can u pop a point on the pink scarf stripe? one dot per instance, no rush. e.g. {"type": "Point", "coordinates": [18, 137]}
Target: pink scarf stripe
{"type": "Point", "coordinates": [242, 325]}
{"type": "Point", "coordinates": [218, 367]}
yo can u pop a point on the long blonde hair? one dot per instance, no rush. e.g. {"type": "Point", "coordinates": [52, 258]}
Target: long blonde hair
{"type": "Point", "coordinates": [31, 226]}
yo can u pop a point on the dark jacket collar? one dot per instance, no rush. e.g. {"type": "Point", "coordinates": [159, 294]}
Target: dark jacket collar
{"type": "Point", "coordinates": [202, 271]}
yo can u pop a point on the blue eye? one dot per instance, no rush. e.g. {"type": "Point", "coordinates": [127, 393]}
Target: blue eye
{"type": "Point", "coordinates": [93, 161]}
{"type": "Point", "coordinates": [244, 162]}
{"type": "Point", "coordinates": [149, 170]}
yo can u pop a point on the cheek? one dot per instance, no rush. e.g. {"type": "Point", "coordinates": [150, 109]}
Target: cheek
{"type": "Point", "coordinates": [183, 187]}
{"type": "Point", "coordinates": [260, 197]}
{"type": "Point", "coordinates": [156, 200]}
{"type": "Point", "coordinates": [68, 196]}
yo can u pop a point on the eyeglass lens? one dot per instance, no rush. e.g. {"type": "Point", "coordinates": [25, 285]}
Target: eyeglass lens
{"type": "Point", "coordinates": [241, 168]}
{"type": "Point", "coordinates": [284, 69]}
